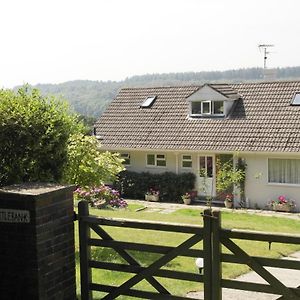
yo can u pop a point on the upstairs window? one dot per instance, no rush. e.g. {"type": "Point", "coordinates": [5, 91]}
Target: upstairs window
{"type": "Point", "coordinates": [207, 108]}
{"type": "Point", "coordinates": [148, 102]}
{"type": "Point", "coordinates": [218, 108]}
{"type": "Point", "coordinates": [196, 108]}
{"type": "Point", "coordinates": [296, 99]}
{"type": "Point", "coordinates": [156, 160]}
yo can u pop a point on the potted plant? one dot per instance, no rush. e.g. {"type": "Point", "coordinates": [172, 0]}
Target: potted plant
{"type": "Point", "coordinates": [282, 203]}
{"type": "Point", "coordinates": [152, 195]}
{"type": "Point", "coordinates": [186, 198]}
{"type": "Point", "coordinates": [228, 202]}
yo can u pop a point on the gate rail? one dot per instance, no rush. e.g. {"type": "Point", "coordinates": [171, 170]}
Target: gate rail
{"type": "Point", "coordinates": [213, 237]}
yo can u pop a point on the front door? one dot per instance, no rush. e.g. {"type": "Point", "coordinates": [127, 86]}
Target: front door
{"type": "Point", "coordinates": [206, 173]}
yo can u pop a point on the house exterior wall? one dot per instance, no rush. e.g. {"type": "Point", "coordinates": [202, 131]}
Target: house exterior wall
{"type": "Point", "coordinates": [257, 189]}
{"type": "Point", "coordinates": [174, 164]}
{"type": "Point", "coordinates": [138, 162]}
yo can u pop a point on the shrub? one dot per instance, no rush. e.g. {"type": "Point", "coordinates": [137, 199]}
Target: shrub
{"type": "Point", "coordinates": [34, 133]}
{"type": "Point", "coordinates": [100, 197]}
{"type": "Point", "coordinates": [87, 165]}
{"type": "Point", "coordinates": [170, 185]}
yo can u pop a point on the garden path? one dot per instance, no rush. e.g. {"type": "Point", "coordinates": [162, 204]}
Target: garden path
{"type": "Point", "coordinates": [290, 278]}
{"type": "Point", "coordinates": [164, 207]}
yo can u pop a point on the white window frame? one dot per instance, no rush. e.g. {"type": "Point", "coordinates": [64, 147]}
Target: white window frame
{"type": "Point", "coordinates": [186, 160]}
{"type": "Point", "coordinates": [211, 108]}
{"type": "Point", "coordinates": [156, 159]}
{"type": "Point", "coordinates": [126, 156]}
{"type": "Point", "coordinates": [280, 183]}
{"type": "Point", "coordinates": [191, 109]}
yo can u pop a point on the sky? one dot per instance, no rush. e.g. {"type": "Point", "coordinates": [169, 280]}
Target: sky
{"type": "Point", "coordinates": [53, 41]}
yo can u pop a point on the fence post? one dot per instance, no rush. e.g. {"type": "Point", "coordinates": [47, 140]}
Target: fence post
{"type": "Point", "coordinates": [207, 251]}
{"type": "Point", "coordinates": [216, 256]}
{"type": "Point", "coordinates": [85, 251]}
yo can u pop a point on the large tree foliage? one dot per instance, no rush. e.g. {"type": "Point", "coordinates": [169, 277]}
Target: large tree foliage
{"type": "Point", "coordinates": [34, 132]}
{"type": "Point", "coordinates": [91, 98]}
{"type": "Point", "coordinates": [87, 165]}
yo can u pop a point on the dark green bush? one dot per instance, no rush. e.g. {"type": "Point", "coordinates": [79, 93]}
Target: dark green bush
{"type": "Point", "coordinates": [170, 185]}
{"type": "Point", "coordinates": [34, 132]}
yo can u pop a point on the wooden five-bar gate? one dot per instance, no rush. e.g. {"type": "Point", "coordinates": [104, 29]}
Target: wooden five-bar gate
{"type": "Point", "coordinates": [212, 236]}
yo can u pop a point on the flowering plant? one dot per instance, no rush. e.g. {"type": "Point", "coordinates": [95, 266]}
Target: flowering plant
{"type": "Point", "coordinates": [282, 200]}
{"type": "Point", "coordinates": [153, 192]}
{"type": "Point", "coordinates": [229, 197]}
{"type": "Point", "coordinates": [100, 196]}
{"type": "Point", "coordinates": [186, 197]}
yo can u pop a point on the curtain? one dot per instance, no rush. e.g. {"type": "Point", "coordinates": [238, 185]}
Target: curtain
{"type": "Point", "coordinates": [284, 170]}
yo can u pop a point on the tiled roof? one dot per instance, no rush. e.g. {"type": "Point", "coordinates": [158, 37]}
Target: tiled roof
{"type": "Point", "coordinates": [261, 120]}
{"type": "Point", "coordinates": [226, 90]}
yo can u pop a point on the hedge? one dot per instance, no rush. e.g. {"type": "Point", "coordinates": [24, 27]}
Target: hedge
{"type": "Point", "coordinates": [170, 185]}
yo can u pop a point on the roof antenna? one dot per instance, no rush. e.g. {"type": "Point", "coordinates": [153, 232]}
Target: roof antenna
{"type": "Point", "coordinates": [265, 47]}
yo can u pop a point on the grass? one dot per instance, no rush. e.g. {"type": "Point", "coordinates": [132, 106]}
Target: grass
{"type": "Point", "coordinates": [184, 216]}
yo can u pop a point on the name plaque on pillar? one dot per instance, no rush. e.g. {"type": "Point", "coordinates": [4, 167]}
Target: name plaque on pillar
{"type": "Point", "coordinates": [14, 216]}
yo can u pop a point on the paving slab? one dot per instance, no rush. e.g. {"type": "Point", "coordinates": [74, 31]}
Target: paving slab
{"type": "Point", "coordinates": [167, 211]}
{"type": "Point", "coordinates": [290, 278]}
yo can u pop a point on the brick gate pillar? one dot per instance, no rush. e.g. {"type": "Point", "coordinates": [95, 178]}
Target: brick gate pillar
{"type": "Point", "coordinates": [37, 258]}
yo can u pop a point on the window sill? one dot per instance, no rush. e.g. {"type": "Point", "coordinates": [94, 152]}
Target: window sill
{"type": "Point", "coordinates": [155, 167]}
{"type": "Point", "coordinates": [284, 184]}
{"type": "Point", "coordinates": [206, 116]}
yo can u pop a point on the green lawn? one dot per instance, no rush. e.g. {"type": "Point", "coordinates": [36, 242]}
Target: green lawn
{"type": "Point", "coordinates": [184, 216]}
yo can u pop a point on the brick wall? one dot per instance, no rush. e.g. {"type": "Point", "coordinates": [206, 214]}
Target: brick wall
{"type": "Point", "coordinates": [37, 258]}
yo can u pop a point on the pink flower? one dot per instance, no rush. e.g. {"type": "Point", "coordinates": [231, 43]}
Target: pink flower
{"type": "Point", "coordinates": [282, 198]}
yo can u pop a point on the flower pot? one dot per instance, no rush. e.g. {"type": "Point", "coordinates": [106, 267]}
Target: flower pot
{"type": "Point", "coordinates": [151, 198]}
{"type": "Point", "coordinates": [187, 201]}
{"type": "Point", "coordinates": [228, 204]}
{"type": "Point", "coordinates": [282, 207]}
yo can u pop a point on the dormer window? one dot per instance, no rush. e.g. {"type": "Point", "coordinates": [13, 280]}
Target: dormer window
{"type": "Point", "coordinates": [212, 101]}
{"type": "Point", "coordinates": [207, 108]}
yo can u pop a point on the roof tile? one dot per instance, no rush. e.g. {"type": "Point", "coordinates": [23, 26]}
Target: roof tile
{"type": "Point", "coordinates": [262, 120]}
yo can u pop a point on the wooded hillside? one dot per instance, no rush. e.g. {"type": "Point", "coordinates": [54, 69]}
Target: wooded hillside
{"type": "Point", "coordinates": [90, 98]}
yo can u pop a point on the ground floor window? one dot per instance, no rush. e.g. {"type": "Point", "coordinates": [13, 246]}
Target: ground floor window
{"type": "Point", "coordinates": [284, 170]}
{"type": "Point", "coordinates": [187, 161]}
{"type": "Point", "coordinates": [126, 157]}
{"type": "Point", "coordinates": [158, 160]}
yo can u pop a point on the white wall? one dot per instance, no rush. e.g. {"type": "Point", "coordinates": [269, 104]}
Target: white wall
{"type": "Point", "coordinates": [138, 164]}
{"type": "Point", "coordinates": [258, 190]}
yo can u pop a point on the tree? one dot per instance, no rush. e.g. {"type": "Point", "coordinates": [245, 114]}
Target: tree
{"type": "Point", "coordinates": [34, 132]}
{"type": "Point", "coordinates": [87, 165]}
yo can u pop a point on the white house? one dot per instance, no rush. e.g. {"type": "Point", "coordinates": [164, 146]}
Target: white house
{"type": "Point", "coordinates": [184, 128]}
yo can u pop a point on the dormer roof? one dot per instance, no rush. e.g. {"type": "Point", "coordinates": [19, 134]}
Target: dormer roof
{"type": "Point", "coordinates": [226, 90]}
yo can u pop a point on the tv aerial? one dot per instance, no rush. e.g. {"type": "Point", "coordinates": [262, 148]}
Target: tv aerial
{"type": "Point", "coordinates": [265, 48]}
